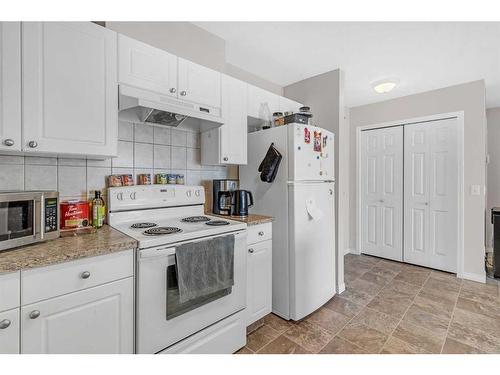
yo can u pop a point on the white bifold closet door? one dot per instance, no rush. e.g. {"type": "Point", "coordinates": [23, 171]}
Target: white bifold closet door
{"type": "Point", "coordinates": [382, 192]}
{"type": "Point", "coordinates": [431, 194]}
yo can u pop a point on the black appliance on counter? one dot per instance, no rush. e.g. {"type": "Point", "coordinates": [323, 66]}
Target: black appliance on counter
{"type": "Point", "coordinates": [495, 220]}
{"type": "Point", "coordinates": [222, 197]}
{"type": "Point", "coordinates": [241, 201]}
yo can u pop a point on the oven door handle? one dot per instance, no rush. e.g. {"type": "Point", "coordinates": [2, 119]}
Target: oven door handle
{"type": "Point", "coordinates": [38, 218]}
{"type": "Point", "coordinates": [157, 252]}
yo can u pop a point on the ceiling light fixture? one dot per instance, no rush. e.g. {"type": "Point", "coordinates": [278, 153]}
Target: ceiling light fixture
{"type": "Point", "coordinates": [385, 85]}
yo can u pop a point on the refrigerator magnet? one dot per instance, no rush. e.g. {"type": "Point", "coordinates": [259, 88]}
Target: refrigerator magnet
{"type": "Point", "coordinates": [317, 141]}
{"type": "Point", "coordinates": [307, 136]}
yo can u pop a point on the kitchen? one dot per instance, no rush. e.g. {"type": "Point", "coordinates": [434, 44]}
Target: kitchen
{"type": "Point", "coordinates": [181, 157]}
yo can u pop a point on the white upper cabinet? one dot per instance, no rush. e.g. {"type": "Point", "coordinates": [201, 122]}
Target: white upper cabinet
{"type": "Point", "coordinates": [70, 96]}
{"type": "Point", "coordinates": [146, 67]}
{"type": "Point", "coordinates": [289, 105]}
{"type": "Point", "coordinates": [262, 103]}
{"type": "Point", "coordinates": [10, 86]}
{"type": "Point", "coordinates": [199, 84]}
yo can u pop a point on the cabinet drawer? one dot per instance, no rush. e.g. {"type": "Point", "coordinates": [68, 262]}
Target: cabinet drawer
{"type": "Point", "coordinates": [259, 233]}
{"type": "Point", "coordinates": [47, 282]}
{"type": "Point", "coordinates": [9, 290]}
{"type": "Point", "coordinates": [9, 332]}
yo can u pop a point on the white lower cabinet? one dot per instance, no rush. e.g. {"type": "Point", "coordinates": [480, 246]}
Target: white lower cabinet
{"type": "Point", "coordinates": [95, 320]}
{"type": "Point", "coordinates": [259, 273]}
{"type": "Point", "coordinates": [9, 332]}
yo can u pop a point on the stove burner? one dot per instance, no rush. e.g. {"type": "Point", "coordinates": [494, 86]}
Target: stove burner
{"type": "Point", "coordinates": [143, 225]}
{"type": "Point", "coordinates": [158, 231]}
{"type": "Point", "coordinates": [195, 219]}
{"type": "Point", "coordinates": [217, 222]}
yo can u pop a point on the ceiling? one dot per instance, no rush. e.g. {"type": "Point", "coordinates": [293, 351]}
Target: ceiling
{"type": "Point", "coordinates": [422, 55]}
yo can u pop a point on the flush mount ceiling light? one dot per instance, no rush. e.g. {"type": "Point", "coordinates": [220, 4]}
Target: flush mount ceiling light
{"type": "Point", "coordinates": [385, 85]}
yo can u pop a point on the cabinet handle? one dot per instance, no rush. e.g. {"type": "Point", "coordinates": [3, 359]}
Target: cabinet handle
{"type": "Point", "coordinates": [8, 142]}
{"type": "Point", "coordinates": [85, 275]}
{"type": "Point", "coordinates": [381, 201]}
{"type": "Point", "coordinates": [261, 233]}
{"type": "Point", "coordinates": [251, 251]}
{"type": "Point", "coordinates": [225, 158]}
{"type": "Point", "coordinates": [4, 323]}
{"type": "Point", "coordinates": [34, 314]}
{"type": "Point", "coordinates": [183, 93]}
{"type": "Point", "coordinates": [173, 90]}
{"type": "Point", "coordinates": [33, 144]}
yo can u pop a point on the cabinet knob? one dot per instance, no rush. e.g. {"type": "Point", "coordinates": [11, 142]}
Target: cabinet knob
{"type": "Point", "coordinates": [173, 90]}
{"type": "Point", "coordinates": [8, 142]}
{"type": "Point", "coordinates": [33, 144]}
{"type": "Point", "coordinates": [225, 158]}
{"type": "Point", "coordinates": [261, 233]}
{"type": "Point", "coordinates": [85, 275]}
{"type": "Point", "coordinates": [34, 314]}
{"type": "Point", "coordinates": [251, 251]}
{"type": "Point", "coordinates": [4, 324]}
{"type": "Point", "coordinates": [381, 201]}
{"type": "Point", "coordinates": [183, 93]}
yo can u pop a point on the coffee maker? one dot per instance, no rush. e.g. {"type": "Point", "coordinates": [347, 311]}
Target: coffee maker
{"type": "Point", "coordinates": [222, 195]}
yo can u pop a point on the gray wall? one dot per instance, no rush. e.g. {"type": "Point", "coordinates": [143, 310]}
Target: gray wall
{"type": "Point", "coordinates": [324, 94]}
{"type": "Point", "coordinates": [493, 190]}
{"type": "Point", "coordinates": [191, 42]}
{"type": "Point", "coordinates": [467, 97]}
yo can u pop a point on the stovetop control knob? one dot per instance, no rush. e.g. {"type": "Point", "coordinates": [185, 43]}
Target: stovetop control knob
{"type": "Point", "coordinates": [132, 195]}
{"type": "Point", "coordinates": [197, 193]}
{"type": "Point", "coordinates": [119, 196]}
{"type": "Point", "coordinates": [188, 193]}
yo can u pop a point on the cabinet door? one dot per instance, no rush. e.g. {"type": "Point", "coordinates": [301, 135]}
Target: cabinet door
{"type": "Point", "coordinates": [233, 134]}
{"type": "Point", "coordinates": [10, 86]}
{"type": "Point", "coordinates": [98, 320]}
{"type": "Point", "coordinates": [288, 105]}
{"type": "Point", "coordinates": [70, 96]}
{"type": "Point", "coordinates": [261, 103]}
{"type": "Point", "coordinates": [9, 332]}
{"type": "Point", "coordinates": [199, 84]}
{"type": "Point", "coordinates": [259, 283]}
{"type": "Point", "coordinates": [146, 67]}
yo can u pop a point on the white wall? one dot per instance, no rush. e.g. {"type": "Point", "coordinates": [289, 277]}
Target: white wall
{"type": "Point", "coordinates": [467, 97]}
{"type": "Point", "coordinates": [493, 190]}
{"type": "Point", "coordinates": [324, 94]}
{"type": "Point", "coordinates": [191, 42]}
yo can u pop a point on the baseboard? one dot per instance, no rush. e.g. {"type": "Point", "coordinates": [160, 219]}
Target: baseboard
{"type": "Point", "coordinates": [347, 251]}
{"type": "Point", "coordinates": [480, 278]}
{"type": "Point", "coordinates": [341, 288]}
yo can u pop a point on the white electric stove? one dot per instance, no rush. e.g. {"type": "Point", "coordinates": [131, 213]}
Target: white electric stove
{"type": "Point", "coordinates": [160, 218]}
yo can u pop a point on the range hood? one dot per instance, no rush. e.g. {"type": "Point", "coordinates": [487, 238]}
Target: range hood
{"type": "Point", "coordinates": [150, 107]}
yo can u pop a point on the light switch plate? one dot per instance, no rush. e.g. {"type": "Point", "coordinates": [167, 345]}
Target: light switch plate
{"type": "Point", "coordinates": [475, 190]}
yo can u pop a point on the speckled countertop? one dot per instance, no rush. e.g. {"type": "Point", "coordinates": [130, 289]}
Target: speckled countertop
{"type": "Point", "coordinates": [103, 241]}
{"type": "Point", "coordinates": [251, 219]}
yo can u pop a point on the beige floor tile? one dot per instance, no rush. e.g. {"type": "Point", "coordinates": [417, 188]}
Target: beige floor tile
{"type": "Point", "coordinates": [351, 276]}
{"type": "Point", "coordinates": [340, 346]}
{"type": "Point", "coordinates": [397, 346]}
{"type": "Point", "coordinates": [419, 337]}
{"type": "Point", "coordinates": [261, 337]}
{"type": "Point", "coordinates": [394, 305]}
{"type": "Point", "coordinates": [278, 324]}
{"type": "Point", "coordinates": [442, 286]}
{"type": "Point", "coordinates": [377, 320]}
{"type": "Point", "coordinates": [255, 326]}
{"type": "Point", "coordinates": [356, 296]}
{"type": "Point", "coordinates": [385, 271]}
{"type": "Point", "coordinates": [480, 297]}
{"type": "Point", "coordinates": [477, 321]}
{"type": "Point", "coordinates": [478, 308]}
{"type": "Point", "coordinates": [308, 335]}
{"type": "Point", "coordinates": [415, 277]}
{"type": "Point", "coordinates": [343, 306]}
{"type": "Point", "coordinates": [328, 319]}
{"type": "Point", "coordinates": [283, 345]}
{"type": "Point", "coordinates": [389, 265]}
{"type": "Point", "coordinates": [486, 289]}
{"type": "Point", "coordinates": [364, 286]}
{"type": "Point", "coordinates": [434, 305]}
{"type": "Point", "coordinates": [455, 347]}
{"type": "Point", "coordinates": [400, 287]}
{"type": "Point", "coordinates": [363, 336]}
{"type": "Point", "coordinates": [445, 276]}
{"type": "Point", "coordinates": [422, 318]}
{"type": "Point", "coordinates": [376, 279]}
{"type": "Point", "coordinates": [244, 350]}
{"type": "Point", "coordinates": [476, 338]}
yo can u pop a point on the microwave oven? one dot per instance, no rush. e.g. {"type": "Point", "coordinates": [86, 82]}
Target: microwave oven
{"type": "Point", "coordinates": [28, 217]}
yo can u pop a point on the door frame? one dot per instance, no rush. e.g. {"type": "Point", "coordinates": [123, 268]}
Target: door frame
{"type": "Point", "coordinates": [459, 115]}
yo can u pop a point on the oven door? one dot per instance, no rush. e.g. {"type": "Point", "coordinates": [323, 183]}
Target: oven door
{"type": "Point", "coordinates": [161, 319]}
{"type": "Point", "coordinates": [20, 223]}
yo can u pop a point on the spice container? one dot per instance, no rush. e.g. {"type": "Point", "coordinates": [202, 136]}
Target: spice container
{"type": "Point", "coordinates": [127, 180]}
{"type": "Point", "coordinates": [74, 214]}
{"type": "Point", "coordinates": [278, 119]}
{"type": "Point", "coordinates": [180, 179]}
{"type": "Point", "coordinates": [144, 179]}
{"type": "Point", "coordinates": [161, 178]}
{"type": "Point", "coordinates": [171, 179]}
{"type": "Point", "coordinates": [115, 180]}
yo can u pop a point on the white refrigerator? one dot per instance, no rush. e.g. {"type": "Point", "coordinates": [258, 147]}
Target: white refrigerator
{"type": "Point", "coordinates": [302, 201]}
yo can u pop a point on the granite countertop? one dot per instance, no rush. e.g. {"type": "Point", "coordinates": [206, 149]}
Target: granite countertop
{"type": "Point", "coordinates": [106, 240]}
{"type": "Point", "coordinates": [251, 219]}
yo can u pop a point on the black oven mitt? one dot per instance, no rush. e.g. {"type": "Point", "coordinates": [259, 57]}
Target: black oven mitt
{"type": "Point", "coordinates": [268, 168]}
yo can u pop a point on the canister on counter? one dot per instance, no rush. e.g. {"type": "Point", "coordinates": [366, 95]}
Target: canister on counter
{"type": "Point", "coordinates": [115, 180]}
{"type": "Point", "coordinates": [127, 180]}
{"type": "Point", "coordinates": [180, 179]}
{"type": "Point", "coordinates": [171, 179]}
{"type": "Point", "coordinates": [161, 178]}
{"type": "Point", "coordinates": [144, 179]}
{"type": "Point", "coordinates": [74, 214]}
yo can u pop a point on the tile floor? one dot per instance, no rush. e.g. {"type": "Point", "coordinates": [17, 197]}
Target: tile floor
{"type": "Point", "coordinates": [390, 307]}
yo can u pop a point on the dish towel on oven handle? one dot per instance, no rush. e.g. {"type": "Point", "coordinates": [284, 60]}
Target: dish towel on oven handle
{"type": "Point", "coordinates": [205, 267]}
{"type": "Point", "coordinates": [268, 168]}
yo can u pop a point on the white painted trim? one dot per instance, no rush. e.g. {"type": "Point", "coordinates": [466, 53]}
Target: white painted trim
{"type": "Point", "coordinates": [459, 115]}
{"type": "Point", "coordinates": [341, 288]}
{"type": "Point", "coordinates": [347, 251]}
{"type": "Point", "coordinates": [480, 278]}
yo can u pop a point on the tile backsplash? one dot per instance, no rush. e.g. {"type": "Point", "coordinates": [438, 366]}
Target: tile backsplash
{"type": "Point", "coordinates": [141, 149]}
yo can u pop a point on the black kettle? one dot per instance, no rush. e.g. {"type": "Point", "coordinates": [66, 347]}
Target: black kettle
{"type": "Point", "coordinates": [241, 200]}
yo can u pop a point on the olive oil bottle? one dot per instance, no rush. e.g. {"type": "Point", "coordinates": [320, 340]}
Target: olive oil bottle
{"type": "Point", "coordinates": [98, 210]}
